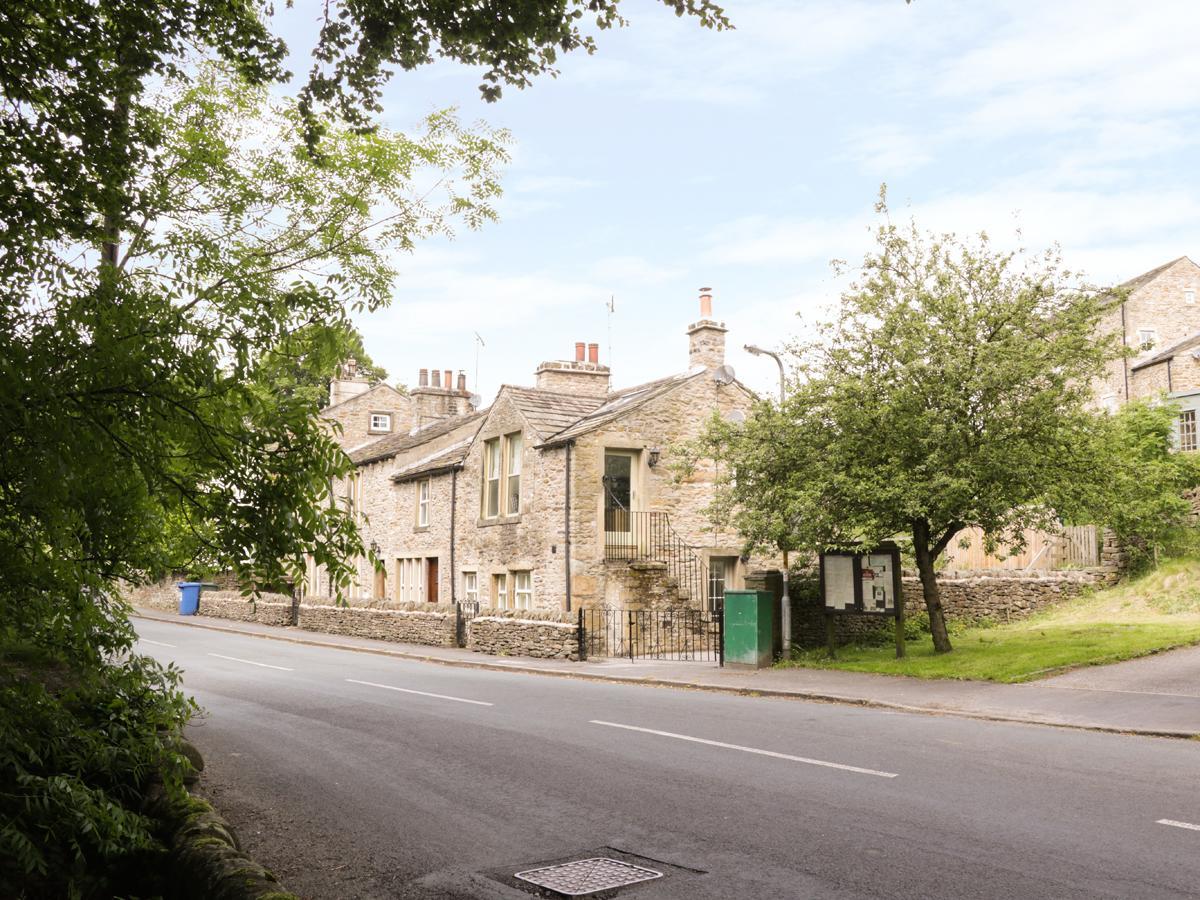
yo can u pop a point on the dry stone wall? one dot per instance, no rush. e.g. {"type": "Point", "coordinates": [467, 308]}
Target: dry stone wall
{"type": "Point", "coordinates": [515, 632]}
{"type": "Point", "coordinates": [432, 625]}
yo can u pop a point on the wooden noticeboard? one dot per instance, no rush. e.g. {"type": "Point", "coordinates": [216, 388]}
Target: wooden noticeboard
{"type": "Point", "coordinates": [863, 582]}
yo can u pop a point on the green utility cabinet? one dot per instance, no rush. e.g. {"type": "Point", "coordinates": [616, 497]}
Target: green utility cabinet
{"type": "Point", "coordinates": [749, 623]}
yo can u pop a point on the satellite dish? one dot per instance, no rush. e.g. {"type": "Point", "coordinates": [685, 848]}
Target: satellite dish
{"type": "Point", "coordinates": [723, 375]}
{"type": "Point", "coordinates": [476, 400]}
{"type": "Point", "coordinates": [737, 417]}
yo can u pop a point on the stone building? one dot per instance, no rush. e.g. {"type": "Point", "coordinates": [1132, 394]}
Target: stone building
{"type": "Point", "coordinates": [557, 496]}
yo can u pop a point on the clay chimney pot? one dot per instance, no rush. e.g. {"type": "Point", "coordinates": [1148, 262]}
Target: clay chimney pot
{"type": "Point", "coordinates": [593, 353]}
{"type": "Point", "coordinates": [462, 382]}
{"type": "Point", "coordinates": [448, 380]}
{"type": "Point", "coordinates": [579, 351]}
{"type": "Point", "coordinates": [437, 379]}
{"type": "Point", "coordinates": [705, 303]}
{"type": "Point", "coordinates": [423, 378]}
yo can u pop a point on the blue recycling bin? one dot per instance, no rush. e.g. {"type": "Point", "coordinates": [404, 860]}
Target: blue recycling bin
{"type": "Point", "coordinates": [189, 597]}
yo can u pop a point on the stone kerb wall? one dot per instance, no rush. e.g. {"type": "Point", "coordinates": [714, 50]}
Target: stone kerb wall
{"type": "Point", "coordinates": [430, 624]}
{"type": "Point", "coordinates": [544, 634]}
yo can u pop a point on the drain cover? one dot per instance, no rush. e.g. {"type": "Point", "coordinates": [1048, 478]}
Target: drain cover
{"type": "Point", "coordinates": [587, 876]}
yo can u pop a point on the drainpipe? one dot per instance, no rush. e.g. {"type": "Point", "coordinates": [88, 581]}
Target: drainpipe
{"type": "Point", "coordinates": [1125, 343]}
{"type": "Point", "coordinates": [453, 516]}
{"type": "Point", "coordinates": [567, 522]}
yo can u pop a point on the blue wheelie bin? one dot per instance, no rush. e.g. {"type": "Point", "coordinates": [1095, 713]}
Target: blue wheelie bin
{"type": "Point", "coordinates": [189, 597]}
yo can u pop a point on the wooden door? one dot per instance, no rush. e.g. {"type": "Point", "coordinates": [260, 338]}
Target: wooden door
{"type": "Point", "coordinates": [431, 579]}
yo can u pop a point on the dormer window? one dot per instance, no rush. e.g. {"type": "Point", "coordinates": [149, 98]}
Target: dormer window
{"type": "Point", "coordinates": [381, 422]}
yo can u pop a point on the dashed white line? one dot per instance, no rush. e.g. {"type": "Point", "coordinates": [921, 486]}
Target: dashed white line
{"type": "Point", "coordinates": [251, 662]}
{"type": "Point", "coordinates": [1188, 825]}
{"type": "Point", "coordinates": [155, 643]}
{"type": "Point", "coordinates": [771, 753]}
{"type": "Point", "coordinates": [389, 687]}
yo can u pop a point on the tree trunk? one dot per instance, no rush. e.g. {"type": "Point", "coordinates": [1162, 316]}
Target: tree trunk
{"type": "Point", "coordinates": [929, 587]}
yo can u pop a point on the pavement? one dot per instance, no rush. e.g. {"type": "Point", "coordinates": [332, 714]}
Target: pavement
{"type": "Point", "coordinates": [369, 775]}
{"type": "Point", "coordinates": [1153, 696]}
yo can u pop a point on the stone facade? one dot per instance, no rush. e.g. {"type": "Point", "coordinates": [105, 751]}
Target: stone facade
{"type": "Point", "coordinates": [354, 415]}
{"type": "Point", "coordinates": [1161, 305]}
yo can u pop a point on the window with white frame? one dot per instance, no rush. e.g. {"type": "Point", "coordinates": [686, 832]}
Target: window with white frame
{"type": "Point", "coordinates": [1187, 430]}
{"type": "Point", "coordinates": [1147, 337]}
{"type": "Point", "coordinates": [522, 590]}
{"type": "Point", "coordinates": [512, 449]}
{"type": "Point", "coordinates": [471, 588]}
{"type": "Point", "coordinates": [500, 591]}
{"type": "Point", "coordinates": [423, 488]}
{"type": "Point", "coordinates": [491, 478]}
{"type": "Point", "coordinates": [1189, 296]}
{"type": "Point", "coordinates": [381, 421]}
{"type": "Point", "coordinates": [410, 580]}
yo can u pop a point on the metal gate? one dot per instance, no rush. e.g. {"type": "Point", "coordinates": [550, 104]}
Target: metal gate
{"type": "Point", "coordinates": [672, 634]}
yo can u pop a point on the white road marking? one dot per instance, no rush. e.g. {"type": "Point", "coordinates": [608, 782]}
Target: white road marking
{"type": "Point", "coordinates": [155, 643]}
{"type": "Point", "coordinates": [251, 662]}
{"type": "Point", "coordinates": [1188, 825]}
{"type": "Point", "coordinates": [388, 687]}
{"type": "Point", "coordinates": [772, 753]}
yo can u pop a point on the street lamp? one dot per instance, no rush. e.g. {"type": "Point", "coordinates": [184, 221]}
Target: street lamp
{"type": "Point", "coordinates": [785, 602]}
{"type": "Point", "coordinates": [759, 351]}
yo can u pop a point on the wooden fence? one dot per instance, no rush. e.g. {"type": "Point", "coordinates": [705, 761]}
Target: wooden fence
{"type": "Point", "coordinates": [1077, 546]}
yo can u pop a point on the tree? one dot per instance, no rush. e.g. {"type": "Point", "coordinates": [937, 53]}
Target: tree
{"type": "Point", "coordinates": [950, 391]}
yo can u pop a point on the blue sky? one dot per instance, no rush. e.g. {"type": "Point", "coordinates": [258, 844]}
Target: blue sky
{"type": "Point", "coordinates": [677, 157]}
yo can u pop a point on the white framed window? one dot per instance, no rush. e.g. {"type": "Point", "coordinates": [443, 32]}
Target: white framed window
{"type": "Point", "coordinates": [381, 421]}
{"type": "Point", "coordinates": [513, 444]}
{"type": "Point", "coordinates": [410, 579]}
{"type": "Point", "coordinates": [522, 590]}
{"type": "Point", "coordinates": [471, 588]}
{"type": "Point", "coordinates": [1187, 430]}
{"type": "Point", "coordinates": [1147, 337]}
{"type": "Point", "coordinates": [423, 488]}
{"type": "Point", "coordinates": [1189, 296]}
{"type": "Point", "coordinates": [491, 478]}
{"type": "Point", "coordinates": [500, 591]}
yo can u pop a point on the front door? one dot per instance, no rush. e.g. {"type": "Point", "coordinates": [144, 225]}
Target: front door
{"type": "Point", "coordinates": [619, 495]}
{"type": "Point", "coordinates": [431, 579]}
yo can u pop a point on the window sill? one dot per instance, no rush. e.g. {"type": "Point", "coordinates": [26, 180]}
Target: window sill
{"type": "Point", "coordinates": [499, 520]}
{"type": "Point", "coordinates": [418, 529]}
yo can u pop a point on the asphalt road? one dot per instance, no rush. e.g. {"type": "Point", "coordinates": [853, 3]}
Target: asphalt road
{"type": "Point", "coordinates": [354, 775]}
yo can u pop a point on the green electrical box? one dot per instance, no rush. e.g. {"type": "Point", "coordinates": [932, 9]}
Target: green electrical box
{"type": "Point", "coordinates": [749, 621]}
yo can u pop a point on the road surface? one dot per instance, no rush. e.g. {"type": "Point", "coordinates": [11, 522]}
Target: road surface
{"type": "Point", "coordinates": [353, 775]}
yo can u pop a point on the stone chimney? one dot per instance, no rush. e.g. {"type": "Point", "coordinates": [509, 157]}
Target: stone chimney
{"type": "Point", "coordinates": [706, 337]}
{"type": "Point", "coordinates": [582, 376]}
{"type": "Point", "coordinates": [438, 397]}
{"type": "Point", "coordinates": [347, 383]}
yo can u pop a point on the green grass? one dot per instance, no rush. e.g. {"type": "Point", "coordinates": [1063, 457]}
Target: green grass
{"type": "Point", "coordinates": [1158, 611]}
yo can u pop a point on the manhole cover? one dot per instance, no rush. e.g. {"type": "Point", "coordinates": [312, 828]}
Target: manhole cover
{"type": "Point", "coordinates": [587, 876]}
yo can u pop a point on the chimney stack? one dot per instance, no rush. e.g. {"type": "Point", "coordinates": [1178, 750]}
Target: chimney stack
{"type": "Point", "coordinates": [706, 338]}
{"type": "Point", "coordinates": [579, 351]}
{"type": "Point", "coordinates": [583, 376]}
{"type": "Point", "coordinates": [347, 383]}
{"type": "Point", "coordinates": [594, 354]}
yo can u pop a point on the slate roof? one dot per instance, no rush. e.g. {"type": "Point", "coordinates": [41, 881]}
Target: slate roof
{"type": "Point", "coordinates": [442, 461]}
{"type": "Point", "coordinates": [1174, 350]}
{"type": "Point", "coordinates": [389, 445]}
{"type": "Point", "coordinates": [548, 412]}
{"type": "Point", "coordinates": [1146, 277]}
{"type": "Point", "coordinates": [620, 402]}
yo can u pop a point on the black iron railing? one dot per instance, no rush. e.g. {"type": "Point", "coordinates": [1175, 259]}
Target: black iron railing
{"type": "Point", "coordinates": [673, 634]}
{"type": "Point", "coordinates": [636, 536]}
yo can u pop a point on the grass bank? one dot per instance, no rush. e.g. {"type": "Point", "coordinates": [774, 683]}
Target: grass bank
{"type": "Point", "coordinates": [1158, 611]}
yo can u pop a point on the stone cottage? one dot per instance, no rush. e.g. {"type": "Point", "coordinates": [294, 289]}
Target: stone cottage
{"type": "Point", "coordinates": [556, 497]}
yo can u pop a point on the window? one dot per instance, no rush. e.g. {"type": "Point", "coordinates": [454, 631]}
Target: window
{"type": "Point", "coordinates": [500, 591]}
{"type": "Point", "coordinates": [381, 421]}
{"type": "Point", "coordinates": [522, 590]}
{"type": "Point", "coordinates": [720, 573]}
{"type": "Point", "coordinates": [491, 478]}
{"type": "Point", "coordinates": [423, 487]}
{"type": "Point", "coordinates": [1147, 337]}
{"type": "Point", "coordinates": [1187, 430]}
{"type": "Point", "coordinates": [1189, 296]}
{"type": "Point", "coordinates": [409, 580]}
{"type": "Point", "coordinates": [471, 588]}
{"type": "Point", "coordinates": [512, 448]}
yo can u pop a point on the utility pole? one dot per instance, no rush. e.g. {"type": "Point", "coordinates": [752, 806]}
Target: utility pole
{"type": "Point", "coordinates": [785, 602]}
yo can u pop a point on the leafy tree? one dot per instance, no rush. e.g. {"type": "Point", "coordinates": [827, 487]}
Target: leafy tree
{"type": "Point", "coordinates": [951, 391]}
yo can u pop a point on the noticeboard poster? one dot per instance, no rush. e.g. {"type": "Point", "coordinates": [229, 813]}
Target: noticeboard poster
{"type": "Point", "coordinates": [862, 582]}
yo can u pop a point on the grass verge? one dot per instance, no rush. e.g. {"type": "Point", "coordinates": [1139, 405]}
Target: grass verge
{"type": "Point", "coordinates": [1158, 611]}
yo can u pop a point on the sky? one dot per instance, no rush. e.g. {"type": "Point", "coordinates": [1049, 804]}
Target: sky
{"type": "Point", "coordinates": [678, 157]}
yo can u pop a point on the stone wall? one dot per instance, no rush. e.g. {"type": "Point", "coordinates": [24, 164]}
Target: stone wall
{"type": "Point", "coordinates": [518, 632]}
{"type": "Point", "coordinates": [431, 624]}
{"type": "Point", "coordinates": [966, 597]}
{"type": "Point", "coordinates": [354, 415]}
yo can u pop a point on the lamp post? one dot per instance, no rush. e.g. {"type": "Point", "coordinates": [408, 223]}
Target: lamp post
{"type": "Point", "coordinates": [785, 602]}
